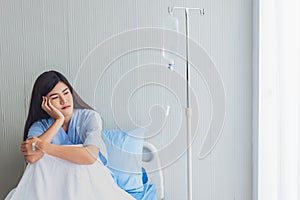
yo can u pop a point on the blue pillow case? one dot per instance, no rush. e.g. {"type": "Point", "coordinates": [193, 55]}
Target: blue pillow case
{"type": "Point", "coordinates": [124, 157]}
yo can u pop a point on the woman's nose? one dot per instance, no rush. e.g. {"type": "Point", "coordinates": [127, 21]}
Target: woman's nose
{"type": "Point", "coordinates": [63, 100]}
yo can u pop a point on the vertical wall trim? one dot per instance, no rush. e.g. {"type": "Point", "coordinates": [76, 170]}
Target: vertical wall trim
{"type": "Point", "coordinates": [255, 80]}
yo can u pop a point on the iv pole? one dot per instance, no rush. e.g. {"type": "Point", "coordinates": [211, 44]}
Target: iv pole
{"type": "Point", "coordinates": [188, 109]}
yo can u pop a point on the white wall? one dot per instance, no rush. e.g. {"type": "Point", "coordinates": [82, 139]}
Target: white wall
{"type": "Point", "coordinates": [39, 35]}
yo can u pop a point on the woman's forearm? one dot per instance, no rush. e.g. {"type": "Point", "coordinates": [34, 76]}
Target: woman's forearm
{"type": "Point", "coordinates": [48, 135]}
{"type": "Point", "coordinates": [79, 155]}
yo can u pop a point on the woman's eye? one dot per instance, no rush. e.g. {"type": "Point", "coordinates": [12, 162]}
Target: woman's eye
{"type": "Point", "coordinates": [66, 92]}
{"type": "Point", "coordinates": [54, 98]}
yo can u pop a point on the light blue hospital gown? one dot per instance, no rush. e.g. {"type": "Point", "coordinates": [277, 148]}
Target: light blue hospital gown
{"type": "Point", "coordinates": [84, 128]}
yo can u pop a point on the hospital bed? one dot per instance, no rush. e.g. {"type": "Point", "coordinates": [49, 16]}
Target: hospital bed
{"type": "Point", "coordinates": [133, 154]}
{"type": "Point", "coordinates": [151, 162]}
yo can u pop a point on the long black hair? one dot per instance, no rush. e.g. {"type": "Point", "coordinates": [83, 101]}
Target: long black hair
{"type": "Point", "coordinates": [42, 86]}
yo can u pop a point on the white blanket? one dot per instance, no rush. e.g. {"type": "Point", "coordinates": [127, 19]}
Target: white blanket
{"type": "Point", "coordinates": [54, 178]}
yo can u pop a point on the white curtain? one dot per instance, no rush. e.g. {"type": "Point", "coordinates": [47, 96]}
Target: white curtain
{"type": "Point", "coordinates": [279, 100]}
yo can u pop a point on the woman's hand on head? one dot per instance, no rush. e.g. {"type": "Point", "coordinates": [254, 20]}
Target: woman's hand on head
{"type": "Point", "coordinates": [51, 110]}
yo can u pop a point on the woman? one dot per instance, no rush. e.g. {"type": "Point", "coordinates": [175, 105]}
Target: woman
{"type": "Point", "coordinates": [57, 119]}
{"type": "Point", "coordinates": [50, 113]}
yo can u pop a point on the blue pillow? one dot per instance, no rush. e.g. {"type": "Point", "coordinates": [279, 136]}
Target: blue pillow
{"type": "Point", "coordinates": [124, 157]}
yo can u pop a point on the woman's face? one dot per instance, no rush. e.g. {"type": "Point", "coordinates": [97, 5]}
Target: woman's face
{"type": "Point", "coordinates": [61, 98]}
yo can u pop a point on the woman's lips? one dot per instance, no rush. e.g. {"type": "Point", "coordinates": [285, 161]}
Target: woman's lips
{"type": "Point", "coordinates": [66, 107]}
